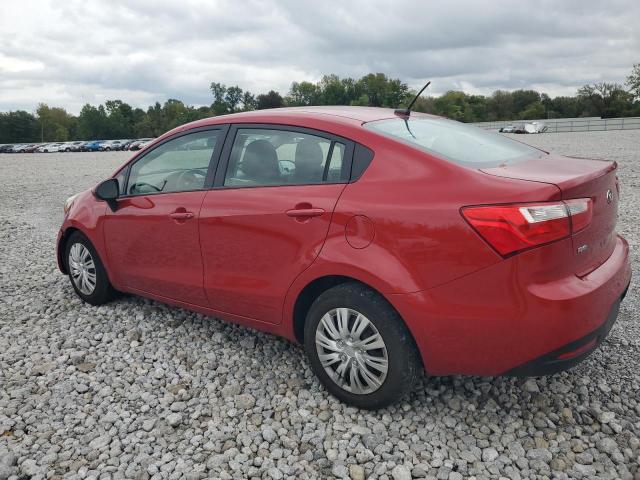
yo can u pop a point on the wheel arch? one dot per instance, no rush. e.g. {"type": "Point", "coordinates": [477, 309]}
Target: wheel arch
{"type": "Point", "coordinates": [319, 285]}
{"type": "Point", "coordinates": [306, 297]}
{"type": "Point", "coordinates": [62, 246]}
{"type": "Point", "coordinates": [90, 235]}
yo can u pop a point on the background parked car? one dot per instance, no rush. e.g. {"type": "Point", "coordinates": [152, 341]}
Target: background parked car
{"type": "Point", "coordinates": [113, 145]}
{"type": "Point", "coordinates": [41, 148]}
{"type": "Point", "coordinates": [26, 148]}
{"type": "Point", "coordinates": [71, 146]}
{"type": "Point", "coordinates": [7, 148]}
{"type": "Point", "coordinates": [137, 144]}
{"type": "Point", "coordinates": [32, 148]}
{"type": "Point", "coordinates": [49, 147]}
{"type": "Point", "coordinates": [127, 143]}
{"type": "Point", "coordinates": [92, 146]}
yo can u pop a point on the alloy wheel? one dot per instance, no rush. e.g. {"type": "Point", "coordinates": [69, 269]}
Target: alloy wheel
{"type": "Point", "coordinates": [352, 351]}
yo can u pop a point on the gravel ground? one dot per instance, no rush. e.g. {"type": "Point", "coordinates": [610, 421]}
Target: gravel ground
{"type": "Point", "coordinates": [139, 390]}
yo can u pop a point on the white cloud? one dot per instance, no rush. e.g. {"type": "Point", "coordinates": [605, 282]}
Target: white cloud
{"type": "Point", "coordinates": [77, 51]}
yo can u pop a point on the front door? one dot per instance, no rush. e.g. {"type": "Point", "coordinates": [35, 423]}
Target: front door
{"type": "Point", "coordinates": [268, 217]}
{"type": "Point", "coordinates": [152, 237]}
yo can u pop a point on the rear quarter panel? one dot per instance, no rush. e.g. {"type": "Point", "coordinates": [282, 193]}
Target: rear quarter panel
{"type": "Point", "coordinates": [414, 200]}
{"type": "Point", "coordinates": [420, 238]}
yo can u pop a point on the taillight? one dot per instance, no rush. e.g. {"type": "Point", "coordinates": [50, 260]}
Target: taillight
{"type": "Point", "coordinates": [580, 211]}
{"type": "Point", "coordinates": [511, 228]}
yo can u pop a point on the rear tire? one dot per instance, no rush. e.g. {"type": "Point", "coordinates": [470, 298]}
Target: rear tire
{"type": "Point", "coordinates": [86, 272]}
{"type": "Point", "coordinates": [370, 359]}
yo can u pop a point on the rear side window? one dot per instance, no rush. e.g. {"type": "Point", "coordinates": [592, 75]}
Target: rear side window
{"type": "Point", "coordinates": [454, 141]}
{"type": "Point", "coordinates": [265, 157]}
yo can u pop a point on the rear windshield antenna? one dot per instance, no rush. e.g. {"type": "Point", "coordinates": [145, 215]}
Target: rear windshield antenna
{"type": "Point", "coordinates": [407, 111]}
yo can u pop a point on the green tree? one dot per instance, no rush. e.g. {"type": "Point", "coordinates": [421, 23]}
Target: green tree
{"type": "Point", "coordinates": [500, 106]}
{"type": "Point", "coordinates": [92, 122]}
{"type": "Point", "coordinates": [331, 91]}
{"type": "Point", "coordinates": [533, 111]}
{"type": "Point", "coordinates": [120, 119]}
{"type": "Point", "coordinates": [174, 113]}
{"type": "Point", "coordinates": [18, 126]}
{"type": "Point", "coordinates": [233, 98]}
{"type": "Point", "coordinates": [271, 99]}
{"type": "Point", "coordinates": [522, 99]}
{"type": "Point", "coordinates": [633, 81]}
{"type": "Point", "coordinates": [55, 123]}
{"type": "Point", "coordinates": [374, 87]}
{"type": "Point", "coordinates": [606, 100]}
{"type": "Point", "coordinates": [426, 105]}
{"type": "Point", "coordinates": [302, 94]}
{"type": "Point", "coordinates": [453, 105]}
{"type": "Point", "coordinates": [219, 91]}
{"type": "Point", "coordinates": [248, 101]}
{"type": "Point", "coordinates": [397, 94]}
{"type": "Point", "coordinates": [382, 91]}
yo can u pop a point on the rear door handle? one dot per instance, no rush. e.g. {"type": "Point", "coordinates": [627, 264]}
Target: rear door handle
{"type": "Point", "coordinates": [181, 215]}
{"type": "Point", "coordinates": [305, 212]}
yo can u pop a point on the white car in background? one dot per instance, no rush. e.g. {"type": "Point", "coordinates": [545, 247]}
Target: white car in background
{"type": "Point", "coordinates": [71, 146]}
{"type": "Point", "coordinates": [49, 147]}
{"type": "Point", "coordinates": [16, 148]}
{"type": "Point", "coordinates": [113, 145]}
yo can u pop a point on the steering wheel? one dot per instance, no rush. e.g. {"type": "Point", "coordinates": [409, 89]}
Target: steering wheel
{"type": "Point", "coordinates": [135, 188]}
{"type": "Point", "coordinates": [190, 179]}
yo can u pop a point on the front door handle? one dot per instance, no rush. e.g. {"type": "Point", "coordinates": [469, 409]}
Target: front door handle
{"type": "Point", "coordinates": [305, 212]}
{"type": "Point", "coordinates": [181, 215]}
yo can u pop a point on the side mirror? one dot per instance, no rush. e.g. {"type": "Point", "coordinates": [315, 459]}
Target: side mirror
{"type": "Point", "coordinates": [109, 191]}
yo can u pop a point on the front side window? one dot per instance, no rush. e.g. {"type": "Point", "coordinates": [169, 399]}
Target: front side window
{"type": "Point", "coordinates": [455, 141]}
{"type": "Point", "coordinates": [178, 165]}
{"type": "Point", "coordinates": [263, 157]}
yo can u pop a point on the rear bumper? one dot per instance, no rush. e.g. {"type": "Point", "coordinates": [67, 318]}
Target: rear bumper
{"type": "Point", "coordinates": [518, 317]}
{"type": "Point", "coordinates": [570, 354]}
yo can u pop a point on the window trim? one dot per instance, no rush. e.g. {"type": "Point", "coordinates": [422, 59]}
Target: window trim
{"type": "Point", "coordinates": [213, 160]}
{"type": "Point", "coordinates": [221, 171]}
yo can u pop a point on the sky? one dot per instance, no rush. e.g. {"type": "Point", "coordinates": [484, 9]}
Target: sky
{"type": "Point", "coordinates": [71, 52]}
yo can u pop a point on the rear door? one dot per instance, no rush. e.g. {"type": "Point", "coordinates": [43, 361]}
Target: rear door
{"type": "Point", "coordinates": [268, 215]}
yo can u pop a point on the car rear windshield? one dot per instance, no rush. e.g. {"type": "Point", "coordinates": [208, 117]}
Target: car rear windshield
{"type": "Point", "coordinates": [454, 141]}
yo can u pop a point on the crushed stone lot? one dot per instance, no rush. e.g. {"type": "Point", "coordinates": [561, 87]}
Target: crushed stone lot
{"type": "Point", "coordinates": [139, 390]}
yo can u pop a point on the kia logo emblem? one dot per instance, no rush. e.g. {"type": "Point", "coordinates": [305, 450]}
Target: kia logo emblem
{"type": "Point", "coordinates": [609, 196]}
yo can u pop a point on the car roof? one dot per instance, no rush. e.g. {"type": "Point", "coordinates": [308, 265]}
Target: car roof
{"type": "Point", "coordinates": [342, 114]}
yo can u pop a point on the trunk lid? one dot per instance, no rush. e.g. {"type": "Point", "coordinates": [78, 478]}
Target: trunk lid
{"type": "Point", "coordinates": [578, 178]}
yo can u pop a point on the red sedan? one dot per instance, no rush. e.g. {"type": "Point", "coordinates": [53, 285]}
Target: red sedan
{"type": "Point", "coordinates": [384, 242]}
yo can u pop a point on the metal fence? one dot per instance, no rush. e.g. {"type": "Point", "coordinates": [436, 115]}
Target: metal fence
{"type": "Point", "coordinates": [555, 125]}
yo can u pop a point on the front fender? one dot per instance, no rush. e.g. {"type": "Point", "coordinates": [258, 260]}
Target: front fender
{"type": "Point", "coordinates": [85, 216]}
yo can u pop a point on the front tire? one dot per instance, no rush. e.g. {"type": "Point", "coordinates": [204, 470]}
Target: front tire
{"type": "Point", "coordinates": [359, 347]}
{"type": "Point", "coordinates": [86, 271]}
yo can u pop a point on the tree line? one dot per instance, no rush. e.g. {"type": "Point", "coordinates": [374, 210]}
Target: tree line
{"type": "Point", "coordinates": [117, 119]}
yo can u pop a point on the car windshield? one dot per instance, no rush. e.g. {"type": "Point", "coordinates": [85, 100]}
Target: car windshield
{"type": "Point", "coordinates": [454, 141]}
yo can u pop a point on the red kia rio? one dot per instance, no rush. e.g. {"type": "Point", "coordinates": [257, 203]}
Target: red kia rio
{"type": "Point", "coordinates": [385, 242]}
